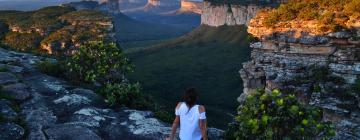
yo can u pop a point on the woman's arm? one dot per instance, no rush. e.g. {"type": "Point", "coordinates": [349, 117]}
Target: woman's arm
{"type": "Point", "coordinates": [203, 123]}
{"type": "Point", "coordinates": [174, 127]}
{"type": "Point", "coordinates": [175, 124]}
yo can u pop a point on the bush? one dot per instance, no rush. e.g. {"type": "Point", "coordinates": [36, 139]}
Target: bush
{"type": "Point", "coordinates": [23, 41]}
{"type": "Point", "coordinates": [121, 94]}
{"type": "Point", "coordinates": [52, 68]}
{"type": "Point", "coordinates": [330, 14]}
{"type": "Point", "coordinates": [277, 116]}
{"type": "Point", "coordinates": [98, 63]}
{"type": "Point", "coordinates": [356, 86]}
{"type": "Point", "coordinates": [4, 69]}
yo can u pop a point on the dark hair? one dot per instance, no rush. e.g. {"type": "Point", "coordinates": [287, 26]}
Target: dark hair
{"type": "Point", "coordinates": [190, 96]}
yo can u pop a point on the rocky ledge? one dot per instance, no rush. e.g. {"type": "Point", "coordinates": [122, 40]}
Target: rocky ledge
{"type": "Point", "coordinates": [36, 106]}
{"type": "Point", "coordinates": [321, 68]}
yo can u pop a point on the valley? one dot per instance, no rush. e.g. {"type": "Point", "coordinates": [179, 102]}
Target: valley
{"type": "Point", "coordinates": [110, 69]}
{"type": "Point", "coordinates": [165, 70]}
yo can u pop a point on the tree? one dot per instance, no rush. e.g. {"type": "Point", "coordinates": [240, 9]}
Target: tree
{"type": "Point", "coordinates": [99, 63]}
{"type": "Point", "coordinates": [278, 116]}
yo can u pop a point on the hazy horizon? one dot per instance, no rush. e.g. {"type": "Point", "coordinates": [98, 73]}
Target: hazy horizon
{"type": "Point", "coordinates": [27, 5]}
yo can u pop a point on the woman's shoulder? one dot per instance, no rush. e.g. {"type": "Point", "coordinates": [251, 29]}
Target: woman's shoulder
{"type": "Point", "coordinates": [201, 108]}
{"type": "Point", "coordinates": [179, 105]}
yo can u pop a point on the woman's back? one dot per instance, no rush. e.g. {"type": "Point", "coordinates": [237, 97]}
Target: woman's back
{"type": "Point", "coordinates": [189, 121]}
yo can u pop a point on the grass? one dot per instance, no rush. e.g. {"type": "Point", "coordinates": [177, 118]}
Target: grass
{"type": "Point", "coordinates": [207, 58]}
{"type": "Point", "coordinates": [3, 69]}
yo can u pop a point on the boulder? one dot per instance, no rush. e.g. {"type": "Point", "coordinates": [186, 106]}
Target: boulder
{"type": "Point", "coordinates": [6, 111]}
{"type": "Point", "coordinates": [18, 91]}
{"type": "Point", "coordinates": [12, 69]}
{"type": "Point", "coordinates": [11, 131]}
{"type": "Point", "coordinates": [96, 99]}
{"type": "Point", "coordinates": [71, 132]}
{"type": "Point", "coordinates": [7, 78]}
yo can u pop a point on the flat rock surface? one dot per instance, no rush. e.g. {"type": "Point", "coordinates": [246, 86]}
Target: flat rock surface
{"type": "Point", "coordinates": [7, 78]}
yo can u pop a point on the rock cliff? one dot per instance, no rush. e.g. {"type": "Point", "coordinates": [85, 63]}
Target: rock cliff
{"type": "Point", "coordinates": [321, 68]}
{"type": "Point", "coordinates": [161, 6]}
{"type": "Point", "coordinates": [37, 106]}
{"type": "Point", "coordinates": [228, 14]}
{"type": "Point", "coordinates": [191, 7]}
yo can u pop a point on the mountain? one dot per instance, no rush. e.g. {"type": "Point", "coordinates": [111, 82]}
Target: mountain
{"type": "Point", "coordinates": [129, 29]}
{"type": "Point", "coordinates": [56, 30]}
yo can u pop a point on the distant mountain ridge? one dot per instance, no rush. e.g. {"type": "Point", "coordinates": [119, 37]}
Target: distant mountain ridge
{"type": "Point", "coordinates": [56, 30]}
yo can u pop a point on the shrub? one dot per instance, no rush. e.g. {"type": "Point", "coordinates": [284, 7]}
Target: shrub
{"type": "Point", "coordinates": [98, 63]}
{"type": "Point", "coordinates": [356, 86]}
{"type": "Point", "coordinates": [53, 68]}
{"type": "Point", "coordinates": [121, 94]}
{"type": "Point", "coordinates": [3, 69]}
{"type": "Point", "coordinates": [164, 115]}
{"type": "Point", "coordinates": [23, 41]}
{"type": "Point", "coordinates": [330, 14]}
{"type": "Point", "coordinates": [251, 38]}
{"type": "Point", "coordinates": [277, 116]}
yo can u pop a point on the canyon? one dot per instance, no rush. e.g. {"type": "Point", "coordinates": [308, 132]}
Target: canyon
{"type": "Point", "coordinates": [319, 67]}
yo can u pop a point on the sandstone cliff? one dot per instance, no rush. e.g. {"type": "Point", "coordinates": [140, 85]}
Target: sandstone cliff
{"type": "Point", "coordinates": [321, 68]}
{"type": "Point", "coordinates": [227, 14]}
{"type": "Point", "coordinates": [161, 6]}
{"type": "Point", "coordinates": [191, 7]}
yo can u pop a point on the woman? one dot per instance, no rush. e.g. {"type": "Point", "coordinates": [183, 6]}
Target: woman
{"type": "Point", "coordinates": [191, 118]}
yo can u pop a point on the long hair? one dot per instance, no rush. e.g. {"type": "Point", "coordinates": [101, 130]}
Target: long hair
{"type": "Point", "coordinates": [190, 97]}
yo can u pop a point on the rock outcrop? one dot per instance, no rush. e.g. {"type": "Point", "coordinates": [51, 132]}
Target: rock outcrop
{"type": "Point", "coordinates": [188, 6]}
{"type": "Point", "coordinates": [161, 6]}
{"type": "Point", "coordinates": [228, 14]}
{"type": "Point", "coordinates": [43, 107]}
{"type": "Point", "coordinates": [321, 68]}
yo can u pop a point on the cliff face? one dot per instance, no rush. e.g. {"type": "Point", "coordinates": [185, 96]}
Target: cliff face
{"type": "Point", "coordinates": [321, 68]}
{"type": "Point", "coordinates": [217, 15]}
{"type": "Point", "coordinates": [121, 5]}
{"type": "Point", "coordinates": [191, 7]}
{"type": "Point", "coordinates": [159, 6]}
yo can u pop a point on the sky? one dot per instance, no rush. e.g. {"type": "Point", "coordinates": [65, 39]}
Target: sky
{"type": "Point", "coordinates": [27, 5]}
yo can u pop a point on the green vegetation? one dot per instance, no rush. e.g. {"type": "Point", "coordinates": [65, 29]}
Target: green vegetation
{"type": "Point", "coordinates": [99, 63]}
{"type": "Point", "coordinates": [23, 41]}
{"type": "Point", "coordinates": [356, 86]}
{"type": "Point", "coordinates": [85, 15]}
{"type": "Point", "coordinates": [3, 69]}
{"type": "Point", "coordinates": [122, 94]}
{"type": "Point", "coordinates": [105, 65]}
{"type": "Point", "coordinates": [207, 58]}
{"type": "Point", "coordinates": [55, 28]}
{"type": "Point", "coordinates": [42, 18]}
{"type": "Point", "coordinates": [52, 68]}
{"type": "Point", "coordinates": [278, 116]}
{"type": "Point", "coordinates": [331, 14]}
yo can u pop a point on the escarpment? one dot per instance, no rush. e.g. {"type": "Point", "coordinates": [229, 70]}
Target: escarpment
{"type": "Point", "coordinates": [321, 67]}
{"type": "Point", "coordinates": [191, 7]}
{"type": "Point", "coordinates": [228, 14]}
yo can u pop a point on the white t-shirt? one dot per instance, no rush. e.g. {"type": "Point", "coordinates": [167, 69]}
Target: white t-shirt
{"type": "Point", "coordinates": [189, 122]}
